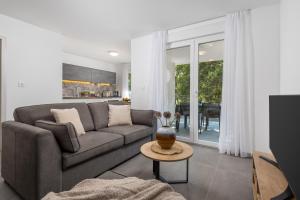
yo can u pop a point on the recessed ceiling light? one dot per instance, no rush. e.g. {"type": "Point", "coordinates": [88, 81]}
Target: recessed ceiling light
{"type": "Point", "coordinates": [113, 53]}
{"type": "Point", "coordinates": [201, 53]}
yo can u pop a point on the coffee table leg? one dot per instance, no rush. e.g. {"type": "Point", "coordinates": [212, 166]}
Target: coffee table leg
{"type": "Point", "coordinates": [156, 169]}
{"type": "Point", "coordinates": [187, 170]}
{"type": "Point", "coordinates": [156, 172]}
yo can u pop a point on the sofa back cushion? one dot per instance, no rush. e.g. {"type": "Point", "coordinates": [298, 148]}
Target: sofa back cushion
{"type": "Point", "coordinates": [99, 112]}
{"type": "Point", "coordinates": [30, 114]}
{"type": "Point", "coordinates": [69, 115]}
{"type": "Point", "coordinates": [119, 115]}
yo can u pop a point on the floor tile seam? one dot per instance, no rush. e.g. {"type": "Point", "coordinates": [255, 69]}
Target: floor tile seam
{"type": "Point", "coordinates": [234, 172]}
{"type": "Point", "coordinates": [208, 165]}
{"type": "Point", "coordinates": [211, 181]}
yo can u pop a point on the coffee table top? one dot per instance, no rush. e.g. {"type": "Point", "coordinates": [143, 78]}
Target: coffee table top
{"type": "Point", "coordinates": [187, 153]}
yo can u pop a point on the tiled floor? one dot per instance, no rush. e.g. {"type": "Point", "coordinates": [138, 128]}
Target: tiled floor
{"type": "Point", "coordinates": [212, 176]}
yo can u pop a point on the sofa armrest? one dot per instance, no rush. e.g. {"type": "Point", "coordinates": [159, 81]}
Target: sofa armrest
{"type": "Point", "coordinates": [144, 117]}
{"type": "Point", "coordinates": [31, 160]}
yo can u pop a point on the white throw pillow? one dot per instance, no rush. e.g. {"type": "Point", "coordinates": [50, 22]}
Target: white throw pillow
{"type": "Point", "coordinates": [119, 115]}
{"type": "Point", "coordinates": [69, 115]}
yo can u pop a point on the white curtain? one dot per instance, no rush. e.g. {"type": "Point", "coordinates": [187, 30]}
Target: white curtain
{"type": "Point", "coordinates": [157, 75]}
{"type": "Point", "coordinates": [237, 123]}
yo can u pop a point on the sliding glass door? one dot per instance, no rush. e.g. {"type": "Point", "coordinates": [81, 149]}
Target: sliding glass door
{"type": "Point", "coordinates": [210, 71]}
{"type": "Point", "coordinates": [178, 75]}
{"type": "Point", "coordinates": [194, 74]}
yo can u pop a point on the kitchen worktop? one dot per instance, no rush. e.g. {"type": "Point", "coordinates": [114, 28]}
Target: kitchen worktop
{"type": "Point", "coordinates": [91, 97]}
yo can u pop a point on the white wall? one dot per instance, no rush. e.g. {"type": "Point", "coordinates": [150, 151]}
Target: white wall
{"type": "Point", "coordinates": [96, 64]}
{"type": "Point", "coordinates": [201, 29]}
{"type": "Point", "coordinates": [32, 56]}
{"type": "Point", "coordinates": [140, 66]}
{"type": "Point", "coordinates": [290, 43]}
{"type": "Point", "coordinates": [266, 26]}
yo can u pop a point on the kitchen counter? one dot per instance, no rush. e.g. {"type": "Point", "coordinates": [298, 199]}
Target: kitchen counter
{"type": "Point", "coordinates": [90, 99]}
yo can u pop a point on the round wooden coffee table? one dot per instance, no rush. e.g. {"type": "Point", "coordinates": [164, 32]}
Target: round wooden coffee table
{"type": "Point", "coordinates": [157, 158]}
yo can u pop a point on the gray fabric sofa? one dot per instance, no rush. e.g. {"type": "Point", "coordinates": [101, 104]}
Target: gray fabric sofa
{"type": "Point", "coordinates": [34, 164]}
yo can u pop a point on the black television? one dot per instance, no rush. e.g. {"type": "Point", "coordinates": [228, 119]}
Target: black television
{"type": "Point", "coordinates": [284, 116]}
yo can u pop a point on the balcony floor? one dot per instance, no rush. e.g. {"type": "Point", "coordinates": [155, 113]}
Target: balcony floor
{"type": "Point", "coordinates": [211, 134]}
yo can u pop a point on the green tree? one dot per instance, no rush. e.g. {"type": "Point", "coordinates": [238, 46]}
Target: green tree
{"type": "Point", "coordinates": [182, 84]}
{"type": "Point", "coordinates": [209, 82]}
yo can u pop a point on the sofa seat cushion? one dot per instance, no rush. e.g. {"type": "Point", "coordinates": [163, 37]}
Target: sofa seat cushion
{"type": "Point", "coordinates": [130, 133]}
{"type": "Point", "coordinates": [92, 144]}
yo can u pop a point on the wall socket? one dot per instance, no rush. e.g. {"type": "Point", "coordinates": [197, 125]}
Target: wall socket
{"type": "Point", "coordinates": [21, 84]}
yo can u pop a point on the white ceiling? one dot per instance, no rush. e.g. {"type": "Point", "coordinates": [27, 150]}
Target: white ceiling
{"type": "Point", "coordinates": [97, 26]}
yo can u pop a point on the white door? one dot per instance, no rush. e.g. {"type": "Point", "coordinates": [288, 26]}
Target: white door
{"type": "Point", "coordinates": [194, 76]}
{"type": "Point", "coordinates": [208, 73]}
{"type": "Point", "coordinates": [180, 60]}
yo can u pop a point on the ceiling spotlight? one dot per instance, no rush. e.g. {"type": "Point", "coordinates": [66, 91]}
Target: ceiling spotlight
{"type": "Point", "coordinates": [113, 53]}
{"type": "Point", "coordinates": [201, 53]}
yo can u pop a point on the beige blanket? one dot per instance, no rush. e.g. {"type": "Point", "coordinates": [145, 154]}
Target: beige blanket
{"type": "Point", "coordinates": [128, 189]}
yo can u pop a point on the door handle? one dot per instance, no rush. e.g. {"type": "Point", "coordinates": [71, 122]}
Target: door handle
{"type": "Point", "coordinates": [196, 93]}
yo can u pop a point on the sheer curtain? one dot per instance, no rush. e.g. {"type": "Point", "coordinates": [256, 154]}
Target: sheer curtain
{"type": "Point", "coordinates": [237, 116]}
{"type": "Point", "coordinates": [158, 98]}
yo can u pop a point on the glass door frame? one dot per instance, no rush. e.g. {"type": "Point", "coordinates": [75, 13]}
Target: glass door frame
{"type": "Point", "coordinates": [194, 69]}
{"type": "Point", "coordinates": [197, 42]}
{"type": "Point", "coordinates": [191, 45]}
